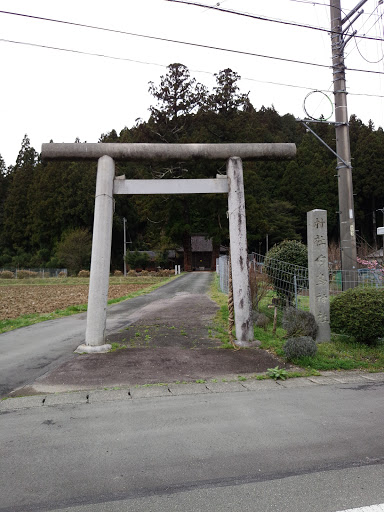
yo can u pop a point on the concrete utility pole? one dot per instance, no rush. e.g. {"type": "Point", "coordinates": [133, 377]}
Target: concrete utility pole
{"type": "Point", "coordinates": [343, 150]}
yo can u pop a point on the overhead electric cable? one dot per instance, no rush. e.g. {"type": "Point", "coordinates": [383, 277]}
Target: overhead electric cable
{"type": "Point", "coordinates": [158, 38]}
{"type": "Point", "coordinates": [240, 52]}
{"type": "Point", "coordinates": [380, 17]}
{"type": "Point", "coordinates": [309, 2]}
{"type": "Point", "coordinates": [180, 42]}
{"type": "Point", "coordinates": [79, 52]}
{"type": "Point", "coordinates": [165, 66]}
{"type": "Point", "coordinates": [264, 18]}
{"type": "Point", "coordinates": [116, 31]}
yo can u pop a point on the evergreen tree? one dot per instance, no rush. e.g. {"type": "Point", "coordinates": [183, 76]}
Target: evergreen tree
{"type": "Point", "coordinates": [178, 96]}
{"type": "Point", "coordinates": [74, 250]}
{"type": "Point", "coordinates": [18, 205]}
{"type": "Point", "coordinates": [226, 98]}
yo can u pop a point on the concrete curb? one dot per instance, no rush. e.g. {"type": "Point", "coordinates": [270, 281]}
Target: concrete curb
{"type": "Point", "coordinates": [171, 390]}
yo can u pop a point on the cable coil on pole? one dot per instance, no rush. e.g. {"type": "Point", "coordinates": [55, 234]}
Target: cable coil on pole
{"type": "Point", "coordinates": [321, 118]}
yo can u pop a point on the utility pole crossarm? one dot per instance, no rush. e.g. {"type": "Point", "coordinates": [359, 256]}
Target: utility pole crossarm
{"type": "Point", "coordinates": [351, 13]}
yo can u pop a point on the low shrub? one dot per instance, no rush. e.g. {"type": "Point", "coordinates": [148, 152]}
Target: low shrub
{"type": "Point", "coordinates": [26, 274]}
{"type": "Point", "coordinates": [144, 273]}
{"type": "Point", "coordinates": [83, 273]}
{"type": "Point", "coordinates": [302, 346]}
{"type": "Point", "coordinates": [118, 273]}
{"type": "Point", "coordinates": [132, 273]}
{"type": "Point", "coordinates": [299, 323]}
{"type": "Point", "coordinates": [62, 274]}
{"type": "Point", "coordinates": [6, 274]}
{"type": "Point", "coordinates": [359, 312]}
{"type": "Point", "coordinates": [278, 266]}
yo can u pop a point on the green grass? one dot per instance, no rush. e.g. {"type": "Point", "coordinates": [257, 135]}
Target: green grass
{"type": "Point", "coordinates": [117, 346]}
{"type": "Point", "coordinates": [341, 353]}
{"type": "Point", "coordinates": [34, 318]}
{"type": "Point", "coordinates": [220, 323]}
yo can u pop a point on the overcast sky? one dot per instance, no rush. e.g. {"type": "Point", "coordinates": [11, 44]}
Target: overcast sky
{"type": "Point", "coordinates": [60, 95]}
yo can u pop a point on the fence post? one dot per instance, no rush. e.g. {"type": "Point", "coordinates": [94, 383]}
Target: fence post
{"type": "Point", "coordinates": [295, 286]}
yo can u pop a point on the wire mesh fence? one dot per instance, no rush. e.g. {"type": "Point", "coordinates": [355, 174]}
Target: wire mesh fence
{"type": "Point", "coordinates": [284, 284]}
{"type": "Point", "coordinates": [289, 281]}
{"type": "Point", "coordinates": [24, 273]}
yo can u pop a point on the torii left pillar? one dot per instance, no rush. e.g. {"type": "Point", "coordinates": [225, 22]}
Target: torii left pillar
{"type": "Point", "coordinates": [100, 259]}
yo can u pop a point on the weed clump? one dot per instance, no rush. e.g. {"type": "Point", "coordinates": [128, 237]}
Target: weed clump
{"type": "Point", "coordinates": [260, 320]}
{"type": "Point", "coordinates": [299, 323]}
{"type": "Point", "coordinates": [83, 273]}
{"type": "Point", "coordinates": [26, 274]}
{"type": "Point", "coordinates": [6, 274]}
{"type": "Point", "coordinates": [302, 346]}
{"type": "Point", "coordinates": [358, 312]}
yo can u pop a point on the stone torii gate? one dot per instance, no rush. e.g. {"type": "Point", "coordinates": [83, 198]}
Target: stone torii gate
{"type": "Point", "coordinates": [107, 185]}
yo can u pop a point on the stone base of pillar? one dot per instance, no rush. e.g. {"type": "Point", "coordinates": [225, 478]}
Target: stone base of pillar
{"type": "Point", "coordinates": [93, 349]}
{"type": "Point", "coordinates": [247, 344]}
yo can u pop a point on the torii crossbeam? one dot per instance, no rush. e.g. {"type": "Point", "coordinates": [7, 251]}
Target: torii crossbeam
{"type": "Point", "coordinates": [107, 185]}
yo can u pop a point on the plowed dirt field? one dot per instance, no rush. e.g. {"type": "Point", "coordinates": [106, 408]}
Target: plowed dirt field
{"type": "Point", "coordinates": [22, 300]}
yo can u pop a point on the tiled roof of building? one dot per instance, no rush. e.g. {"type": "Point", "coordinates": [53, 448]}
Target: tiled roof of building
{"type": "Point", "coordinates": [201, 244]}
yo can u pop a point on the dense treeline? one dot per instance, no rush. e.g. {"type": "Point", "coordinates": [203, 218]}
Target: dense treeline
{"type": "Point", "coordinates": [43, 205]}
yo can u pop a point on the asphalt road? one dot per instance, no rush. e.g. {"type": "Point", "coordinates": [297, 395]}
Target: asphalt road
{"type": "Point", "coordinates": [29, 352]}
{"type": "Point", "coordinates": [317, 449]}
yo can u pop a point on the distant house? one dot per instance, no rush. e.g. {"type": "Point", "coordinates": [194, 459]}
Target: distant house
{"type": "Point", "coordinates": [204, 253]}
{"type": "Point", "coordinates": [203, 257]}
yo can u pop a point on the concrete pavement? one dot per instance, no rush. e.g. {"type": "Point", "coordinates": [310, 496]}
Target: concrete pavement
{"type": "Point", "coordinates": [30, 352]}
{"type": "Point", "coordinates": [293, 446]}
{"type": "Point", "coordinates": [228, 383]}
{"type": "Point", "coordinates": [168, 337]}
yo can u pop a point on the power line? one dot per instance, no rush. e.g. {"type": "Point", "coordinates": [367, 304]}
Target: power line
{"type": "Point", "coordinates": [265, 18]}
{"type": "Point", "coordinates": [216, 8]}
{"type": "Point", "coordinates": [309, 2]}
{"type": "Point", "coordinates": [196, 45]}
{"type": "Point", "coordinates": [379, 17]}
{"type": "Point", "coordinates": [80, 52]}
{"type": "Point", "coordinates": [360, 53]}
{"type": "Point", "coordinates": [240, 52]}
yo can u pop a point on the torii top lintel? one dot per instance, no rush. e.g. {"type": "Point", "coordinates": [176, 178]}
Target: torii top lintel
{"type": "Point", "coordinates": [162, 152]}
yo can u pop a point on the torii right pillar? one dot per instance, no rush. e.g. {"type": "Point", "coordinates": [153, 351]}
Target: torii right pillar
{"type": "Point", "coordinates": [239, 252]}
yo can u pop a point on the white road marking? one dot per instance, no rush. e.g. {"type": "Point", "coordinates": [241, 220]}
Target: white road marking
{"type": "Point", "coordinates": [372, 508]}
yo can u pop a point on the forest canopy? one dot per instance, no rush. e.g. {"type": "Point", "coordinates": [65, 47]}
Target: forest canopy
{"type": "Point", "coordinates": [41, 204]}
